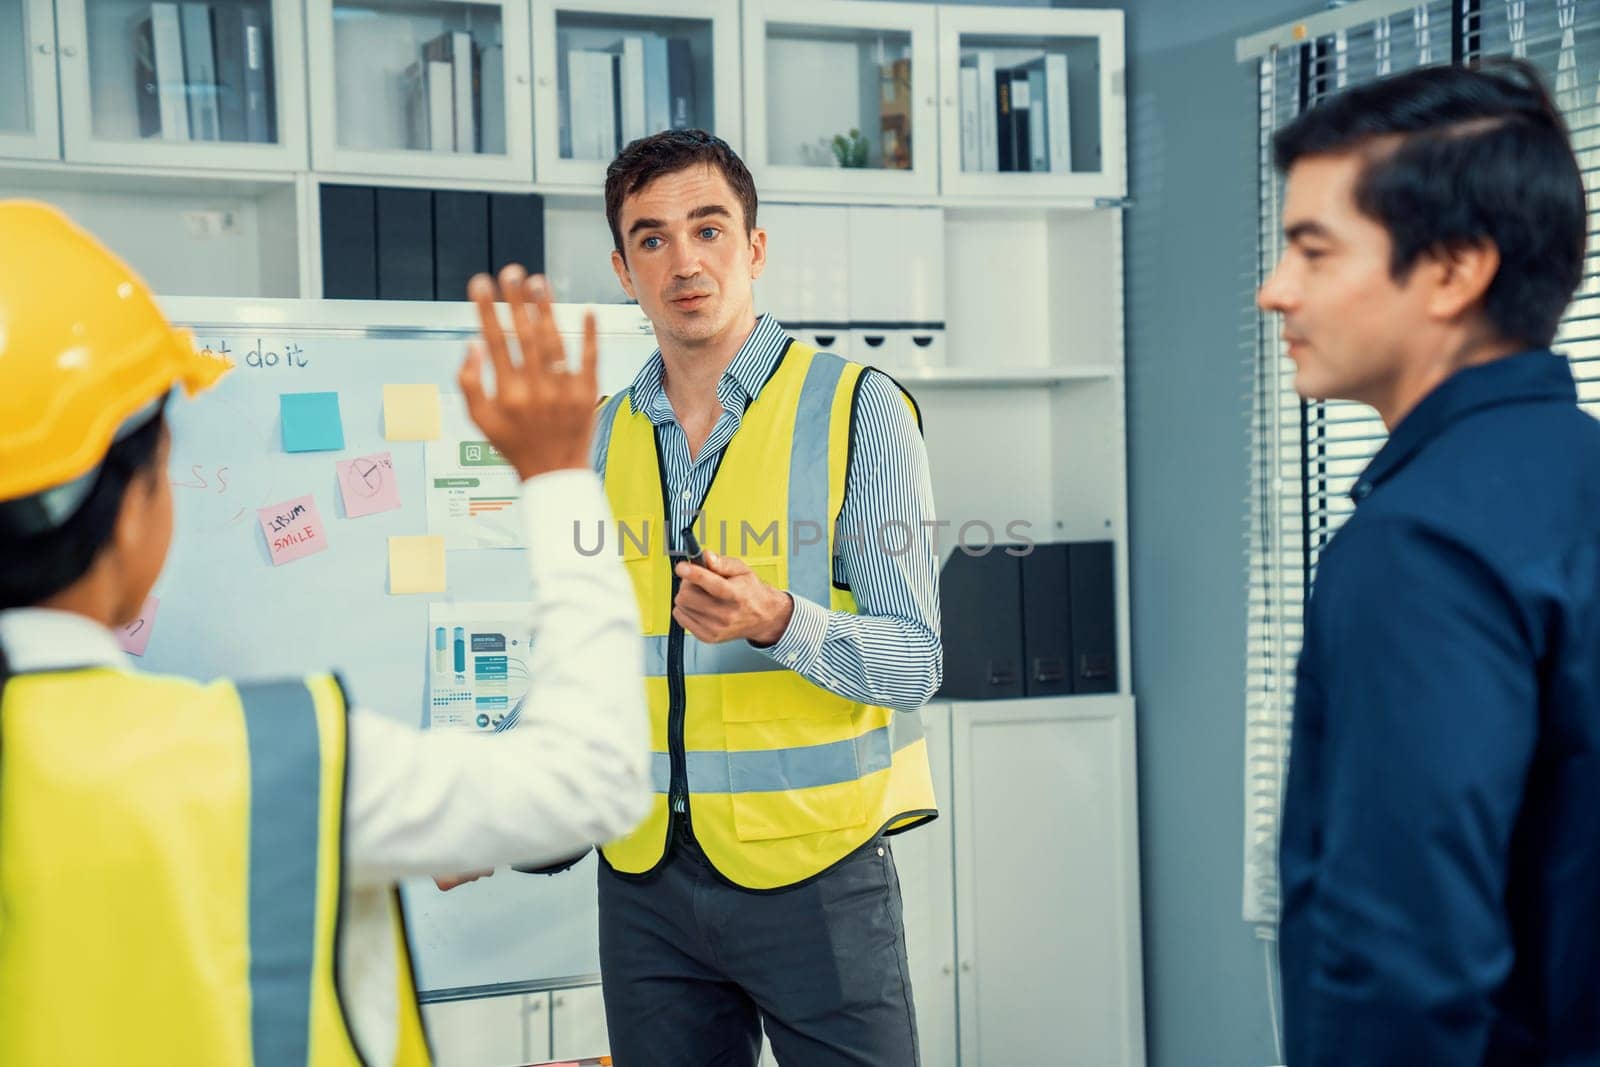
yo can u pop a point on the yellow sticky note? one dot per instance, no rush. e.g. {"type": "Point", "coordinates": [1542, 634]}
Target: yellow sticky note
{"type": "Point", "coordinates": [411, 412]}
{"type": "Point", "coordinates": [416, 565]}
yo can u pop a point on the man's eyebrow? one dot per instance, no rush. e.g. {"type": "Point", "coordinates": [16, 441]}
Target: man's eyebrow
{"type": "Point", "coordinates": [1308, 228]}
{"type": "Point", "coordinates": [644, 224]}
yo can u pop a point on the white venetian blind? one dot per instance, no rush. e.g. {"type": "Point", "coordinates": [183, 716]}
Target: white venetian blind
{"type": "Point", "coordinates": [1307, 455]}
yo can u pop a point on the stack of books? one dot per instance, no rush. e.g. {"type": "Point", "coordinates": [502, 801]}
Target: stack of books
{"type": "Point", "coordinates": [455, 96]}
{"type": "Point", "coordinates": [642, 84]}
{"type": "Point", "coordinates": [1015, 118]}
{"type": "Point", "coordinates": [203, 72]}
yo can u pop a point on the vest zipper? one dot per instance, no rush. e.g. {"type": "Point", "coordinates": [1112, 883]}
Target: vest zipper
{"type": "Point", "coordinates": [677, 710]}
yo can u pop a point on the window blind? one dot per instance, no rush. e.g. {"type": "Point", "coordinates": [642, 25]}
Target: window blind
{"type": "Point", "coordinates": [1305, 456]}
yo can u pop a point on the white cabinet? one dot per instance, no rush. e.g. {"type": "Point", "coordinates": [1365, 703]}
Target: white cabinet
{"type": "Point", "coordinates": [216, 85]}
{"type": "Point", "coordinates": [578, 1024]}
{"type": "Point", "coordinates": [1050, 82]}
{"type": "Point", "coordinates": [607, 72]}
{"type": "Point", "coordinates": [28, 123]}
{"type": "Point", "coordinates": [433, 89]}
{"type": "Point", "coordinates": [1047, 893]}
{"type": "Point", "coordinates": [841, 96]}
{"type": "Point", "coordinates": [924, 858]}
{"type": "Point", "coordinates": [485, 1032]}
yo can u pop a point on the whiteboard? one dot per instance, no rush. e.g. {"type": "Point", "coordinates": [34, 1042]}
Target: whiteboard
{"type": "Point", "coordinates": [225, 610]}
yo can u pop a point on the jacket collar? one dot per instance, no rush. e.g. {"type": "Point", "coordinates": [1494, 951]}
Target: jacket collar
{"type": "Point", "coordinates": [1538, 374]}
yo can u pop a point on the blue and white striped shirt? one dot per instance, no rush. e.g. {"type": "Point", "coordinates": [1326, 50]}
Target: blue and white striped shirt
{"type": "Point", "coordinates": [889, 654]}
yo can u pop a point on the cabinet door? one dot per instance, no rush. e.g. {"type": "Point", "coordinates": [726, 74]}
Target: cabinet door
{"type": "Point", "coordinates": [924, 859]}
{"type": "Point", "coordinates": [578, 1024]}
{"type": "Point", "coordinates": [436, 89]}
{"type": "Point", "coordinates": [28, 80]}
{"type": "Point", "coordinates": [1047, 882]}
{"type": "Point", "coordinates": [176, 83]}
{"type": "Point", "coordinates": [486, 1032]}
{"type": "Point", "coordinates": [869, 126]}
{"type": "Point", "coordinates": [1032, 103]}
{"type": "Point", "coordinates": [607, 72]}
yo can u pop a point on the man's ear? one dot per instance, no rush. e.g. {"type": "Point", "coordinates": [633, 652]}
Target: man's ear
{"type": "Point", "coordinates": [758, 252]}
{"type": "Point", "coordinates": [620, 266]}
{"type": "Point", "coordinates": [1459, 277]}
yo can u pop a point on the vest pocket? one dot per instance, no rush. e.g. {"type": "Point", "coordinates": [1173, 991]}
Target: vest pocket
{"type": "Point", "coordinates": [641, 558]}
{"type": "Point", "coordinates": [793, 766]}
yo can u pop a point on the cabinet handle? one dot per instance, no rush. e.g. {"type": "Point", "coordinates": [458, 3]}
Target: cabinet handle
{"type": "Point", "coordinates": [69, 51]}
{"type": "Point", "coordinates": [44, 49]}
{"type": "Point", "coordinates": [947, 969]}
{"type": "Point", "coordinates": [949, 101]}
{"type": "Point", "coordinates": [522, 79]}
{"type": "Point", "coordinates": [560, 1001]}
{"type": "Point", "coordinates": [544, 82]}
{"type": "Point", "coordinates": [966, 966]}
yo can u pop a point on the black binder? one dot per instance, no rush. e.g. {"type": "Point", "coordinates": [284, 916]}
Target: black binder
{"type": "Point", "coordinates": [1047, 621]}
{"type": "Point", "coordinates": [980, 610]}
{"type": "Point", "coordinates": [349, 243]}
{"type": "Point", "coordinates": [405, 244]}
{"type": "Point", "coordinates": [460, 241]}
{"type": "Point", "coordinates": [516, 231]}
{"type": "Point", "coordinates": [1094, 617]}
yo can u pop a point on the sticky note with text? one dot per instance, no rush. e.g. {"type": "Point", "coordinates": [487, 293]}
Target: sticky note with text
{"type": "Point", "coordinates": [294, 529]}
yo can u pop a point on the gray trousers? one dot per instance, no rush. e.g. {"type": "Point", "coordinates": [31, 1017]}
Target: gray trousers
{"type": "Point", "coordinates": [693, 967]}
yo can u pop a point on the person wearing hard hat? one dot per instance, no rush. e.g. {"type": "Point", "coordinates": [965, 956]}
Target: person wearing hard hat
{"type": "Point", "coordinates": [203, 873]}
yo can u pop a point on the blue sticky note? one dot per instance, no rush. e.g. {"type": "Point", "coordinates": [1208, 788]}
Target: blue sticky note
{"type": "Point", "coordinates": [311, 422]}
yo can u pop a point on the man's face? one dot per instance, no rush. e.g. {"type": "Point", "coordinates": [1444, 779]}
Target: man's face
{"type": "Point", "coordinates": [689, 261]}
{"type": "Point", "coordinates": [1347, 322]}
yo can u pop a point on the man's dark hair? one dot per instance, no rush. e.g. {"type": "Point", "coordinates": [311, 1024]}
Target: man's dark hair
{"type": "Point", "coordinates": [1457, 157]}
{"type": "Point", "coordinates": [38, 565]}
{"type": "Point", "coordinates": [669, 152]}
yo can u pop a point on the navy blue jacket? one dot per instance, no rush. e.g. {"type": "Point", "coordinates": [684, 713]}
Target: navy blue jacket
{"type": "Point", "coordinates": [1441, 834]}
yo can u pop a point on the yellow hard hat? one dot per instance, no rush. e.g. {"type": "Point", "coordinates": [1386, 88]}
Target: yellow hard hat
{"type": "Point", "coordinates": [83, 348]}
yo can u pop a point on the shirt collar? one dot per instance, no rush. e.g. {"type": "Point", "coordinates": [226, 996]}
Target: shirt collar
{"type": "Point", "coordinates": [748, 372]}
{"type": "Point", "coordinates": [39, 639]}
{"type": "Point", "coordinates": [1538, 374]}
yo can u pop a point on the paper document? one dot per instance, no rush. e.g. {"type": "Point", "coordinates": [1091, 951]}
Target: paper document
{"type": "Point", "coordinates": [477, 664]}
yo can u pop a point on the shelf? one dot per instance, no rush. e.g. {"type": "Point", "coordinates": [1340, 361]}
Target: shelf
{"type": "Point", "coordinates": [17, 175]}
{"type": "Point", "coordinates": [1002, 377]}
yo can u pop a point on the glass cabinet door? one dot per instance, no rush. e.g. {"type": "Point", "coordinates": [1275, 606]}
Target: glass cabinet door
{"type": "Point", "coordinates": [183, 83]}
{"type": "Point", "coordinates": [431, 89]}
{"type": "Point", "coordinates": [1033, 103]}
{"type": "Point", "coordinates": [28, 128]}
{"type": "Point", "coordinates": [608, 72]}
{"type": "Point", "coordinates": [840, 97]}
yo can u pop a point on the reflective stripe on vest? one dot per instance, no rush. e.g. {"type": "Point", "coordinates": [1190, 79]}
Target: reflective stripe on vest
{"type": "Point", "coordinates": [783, 778]}
{"type": "Point", "coordinates": [777, 769]}
{"type": "Point", "coordinates": [285, 791]}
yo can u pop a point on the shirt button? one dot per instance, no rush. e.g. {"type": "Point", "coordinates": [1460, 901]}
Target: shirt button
{"type": "Point", "coordinates": [1362, 491]}
{"type": "Point", "coordinates": [684, 495]}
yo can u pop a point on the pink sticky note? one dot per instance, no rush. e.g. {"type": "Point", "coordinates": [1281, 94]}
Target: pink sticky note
{"type": "Point", "coordinates": [294, 529]}
{"type": "Point", "coordinates": [368, 485]}
{"type": "Point", "coordinates": [135, 637]}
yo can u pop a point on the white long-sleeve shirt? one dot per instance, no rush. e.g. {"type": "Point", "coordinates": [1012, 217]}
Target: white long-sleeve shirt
{"type": "Point", "coordinates": [574, 771]}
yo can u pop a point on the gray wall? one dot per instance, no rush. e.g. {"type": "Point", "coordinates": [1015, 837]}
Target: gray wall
{"type": "Point", "coordinates": [1190, 267]}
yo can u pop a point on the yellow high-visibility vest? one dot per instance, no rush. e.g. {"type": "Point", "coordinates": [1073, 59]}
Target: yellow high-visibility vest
{"type": "Point", "coordinates": [170, 866]}
{"type": "Point", "coordinates": [782, 778]}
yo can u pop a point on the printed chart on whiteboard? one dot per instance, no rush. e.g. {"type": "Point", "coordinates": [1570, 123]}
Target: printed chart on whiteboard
{"type": "Point", "coordinates": [478, 667]}
{"type": "Point", "coordinates": [473, 491]}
